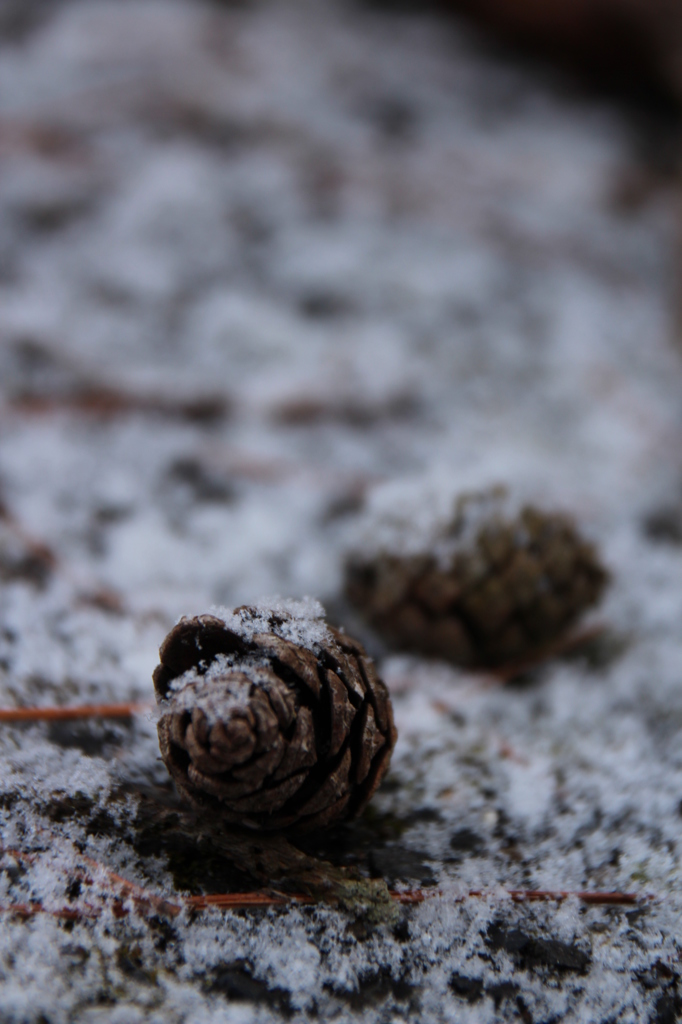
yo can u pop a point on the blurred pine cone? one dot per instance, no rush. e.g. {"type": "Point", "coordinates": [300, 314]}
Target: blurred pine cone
{"type": "Point", "coordinates": [272, 718]}
{"type": "Point", "coordinates": [490, 586]}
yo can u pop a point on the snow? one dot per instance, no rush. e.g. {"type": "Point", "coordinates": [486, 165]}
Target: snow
{"type": "Point", "coordinates": [301, 622]}
{"type": "Point", "coordinates": [407, 268]}
{"type": "Point", "coordinates": [434, 514]}
{"type": "Point", "coordinates": [193, 689]}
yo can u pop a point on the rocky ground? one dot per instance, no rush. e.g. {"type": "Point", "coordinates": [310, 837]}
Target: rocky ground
{"type": "Point", "coordinates": [257, 262]}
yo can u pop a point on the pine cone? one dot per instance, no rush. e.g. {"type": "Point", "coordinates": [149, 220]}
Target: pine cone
{"type": "Point", "coordinates": [488, 587]}
{"type": "Point", "coordinates": [272, 718]}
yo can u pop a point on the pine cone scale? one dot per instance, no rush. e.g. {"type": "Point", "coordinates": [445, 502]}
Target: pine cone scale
{"type": "Point", "coordinates": [300, 663]}
{"type": "Point", "coordinates": [300, 752]}
{"type": "Point", "coordinates": [378, 695]}
{"type": "Point", "coordinates": [371, 741]}
{"type": "Point", "coordinates": [202, 758]}
{"type": "Point", "coordinates": [376, 773]}
{"type": "Point", "coordinates": [355, 686]}
{"type": "Point", "coordinates": [335, 787]}
{"type": "Point", "coordinates": [272, 799]}
{"type": "Point", "coordinates": [257, 770]}
{"type": "Point", "coordinates": [342, 713]}
{"type": "Point", "coordinates": [178, 653]}
{"type": "Point", "coordinates": [215, 785]}
{"type": "Point", "coordinates": [232, 744]}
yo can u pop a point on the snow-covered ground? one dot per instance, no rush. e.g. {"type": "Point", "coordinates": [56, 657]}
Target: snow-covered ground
{"type": "Point", "coordinates": [370, 253]}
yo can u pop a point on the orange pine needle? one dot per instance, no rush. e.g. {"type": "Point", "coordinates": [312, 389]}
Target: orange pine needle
{"type": "Point", "coordinates": [72, 713]}
{"type": "Point", "coordinates": [252, 900]}
{"type": "Point", "coordinates": [145, 900]}
{"type": "Point", "coordinates": [606, 898]}
{"type": "Point", "coordinates": [141, 897]}
{"type": "Point", "coordinates": [244, 900]}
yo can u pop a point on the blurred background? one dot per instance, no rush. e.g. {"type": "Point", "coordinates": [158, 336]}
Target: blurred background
{"type": "Point", "coordinates": [256, 258]}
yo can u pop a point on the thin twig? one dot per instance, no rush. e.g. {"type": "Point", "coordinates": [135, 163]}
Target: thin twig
{"type": "Point", "coordinates": [107, 402]}
{"type": "Point", "coordinates": [558, 896]}
{"type": "Point", "coordinates": [253, 900]}
{"type": "Point", "coordinates": [141, 896]}
{"type": "Point", "coordinates": [245, 900]}
{"type": "Point", "coordinates": [67, 913]}
{"type": "Point", "coordinates": [532, 896]}
{"type": "Point", "coordinates": [71, 714]}
{"type": "Point", "coordinates": [242, 900]}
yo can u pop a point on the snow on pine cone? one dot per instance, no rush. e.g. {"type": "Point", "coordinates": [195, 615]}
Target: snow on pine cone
{"type": "Point", "coordinates": [272, 718]}
{"type": "Point", "coordinates": [491, 583]}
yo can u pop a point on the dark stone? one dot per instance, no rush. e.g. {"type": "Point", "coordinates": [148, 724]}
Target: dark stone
{"type": "Point", "coordinates": [524, 1013]}
{"type": "Point", "coordinates": [470, 989]}
{"type": "Point", "coordinates": [424, 814]}
{"type": "Point", "coordinates": [203, 483]}
{"type": "Point", "coordinates": [64, 806]}
{"type": "Point", "coordinates": [533, 952]}
{"type": "Point", "coordinates": [511, 940]}
{"type": "Point", "coordinates": [343, 505]}
{"type": "Point", "coordinates": [164, 935]}
{"type": "Point", "coordinates": [398, 864]}
{"type": "Point", "coordinates": [635, 917]}
{"type": "Point", "coordinates": [379, 987]}
{"type": "Point", "coordinates": [668, 1005]}
{"type": "Point", "coordinates": [14, 870]}
{"type": "Point", "coordinates": [552, 953]}
{"type": "Point", "coordinates": [360, 929]}
{"type": "Point", "coordinates": [668, 1009]}
{"type": "Point", "coordinates": [236, 981]}
{"type": "Point", "coordinates": [73, 890]}
{"type": "Point", "coordinates": [103, 824]}
{"type": "Point", "coordinates": [31, 567]}
{"type": "Point", "coordinates": [129, 960]}
{"type": "Point", "coordinates": [665, 972]}
{"type": "Point", "coordinates": [502, 991]}
{"type": "Point", "coordinates": [401, 932]}
{"type": "Point", "coordinates": [664, 525]}
{"type": "Point", "coordinates": [206, 410]}
{"type": "Point", "coordinates": [467, 841]}
{"type": "Point", "coordinates": [8, 799]}
{"type": "Point", "coordinates": [51, 213]}
{"type": "Point", "coordinates": [324, 305]}
{"type": "Point", "coordinates": [394, 118]}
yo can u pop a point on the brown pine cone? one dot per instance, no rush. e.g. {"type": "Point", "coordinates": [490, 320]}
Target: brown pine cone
{"type": "Point", "coordinates": [271, 718]}
{"type": "Point", "coordinates": [490, 586]}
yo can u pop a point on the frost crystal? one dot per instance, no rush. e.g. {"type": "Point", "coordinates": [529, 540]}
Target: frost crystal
{"type": "Point", "coordinates": [302, 622]}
